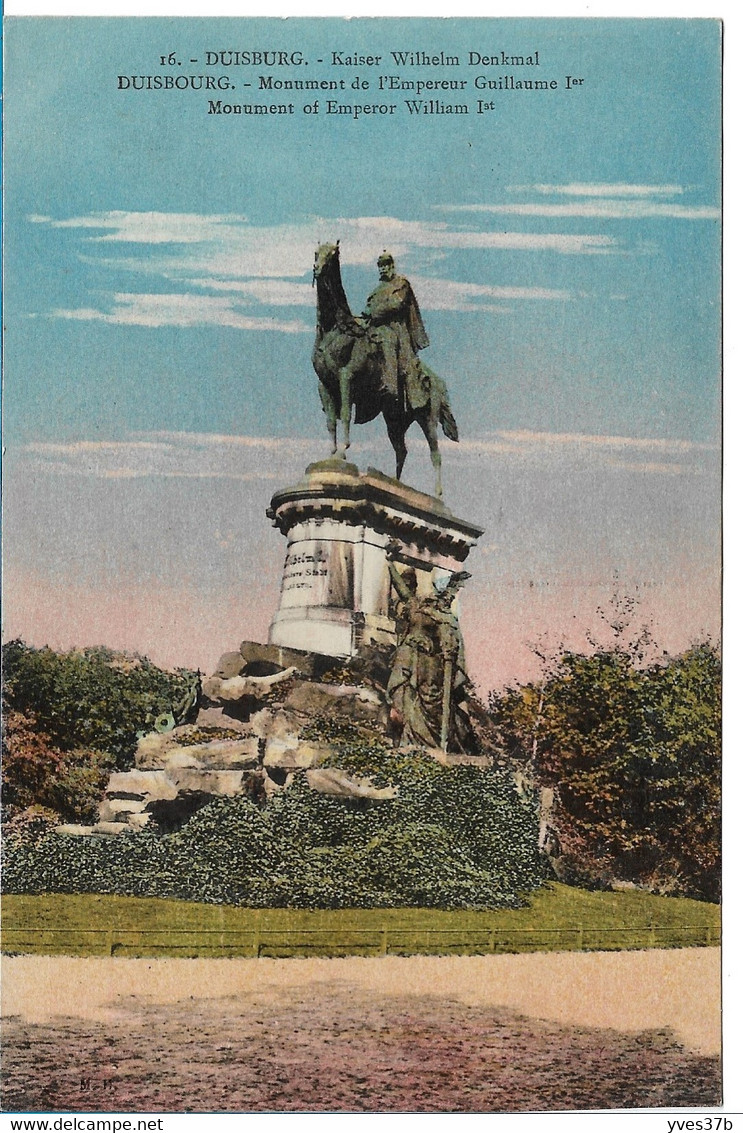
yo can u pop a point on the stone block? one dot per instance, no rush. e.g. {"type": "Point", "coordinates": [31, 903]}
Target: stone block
{"type": "Point", "coordinates": [140, 821]}
{"type": "Point", "coordinates": [110, 828]}
{"type": "Point", "coordinates": [348, 701]}
{"type": "Point", "coordinates": [338, 523]}
{"type": "Point", "coordinates": [238, 754]}
{"type": "Point", "coordinates": [261, 660]}
{"type": "Point", "coordinates": [148, 785]}
{"type": "Point", "coordinates": [278, 724]}
{"type": "Point", "coordinates": [152, 749]}
{"type": "Point", "coordinates": [246, 692]}
{"type": "Point", "coordinates": [180, 757]}
{"type": "Point", "coordinates": [212, 716]}
{"type": "Point", "coordinates": [334, 781]}
{"type": "Point", "coordinates": [296, 754]}
{"type": "Point", "coordinates": [217, 783]}
{"type": "Point", "coordinates": [120, 810]}
{"type": "Point", "coordinates": [230, 665]}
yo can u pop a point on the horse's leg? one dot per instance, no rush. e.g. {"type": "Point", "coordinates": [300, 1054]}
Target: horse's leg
{"type": "Point", "coordinates": [429, 425]}
{"type": "Point", "coordinates": [344, 381]}
{"type": "Point", "coordinates": [396, 433]}
{"type": "Point", "coordinates": [331, 417]}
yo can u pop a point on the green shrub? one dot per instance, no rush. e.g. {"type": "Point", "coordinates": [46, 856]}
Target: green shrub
{"type": "Point", "coordinates": [455, 837]}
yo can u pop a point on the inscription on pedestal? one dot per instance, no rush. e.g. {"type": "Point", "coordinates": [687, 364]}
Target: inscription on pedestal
{"type": "Point", "coordinates": [305, 570]}
{"type": "Point", "coordinates": [318, 573]}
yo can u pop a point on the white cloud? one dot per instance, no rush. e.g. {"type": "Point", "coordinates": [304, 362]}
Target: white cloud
{"type": "Point", "coordinates": [283, 256]}
{"type": "Point", "coordinates": [527, 438]}
{"type": "Point", "coordinates": [211, 440]}
{"type": "Point", "coordinates": [599, 209]}
{"type": "Point", "coordinates": [642, 455]}
{"type": "Point", "coordinates": [88, 448]}
{"type": "Point", "coordinates": [230, 247]}
{"type": "Point", "coordinates": [149, 227]}
{"type": "Point", "coordinates": [168, 454]}
{"type": "Point", "coordinates": [600, 189]}
{"type": "Point", "coordinates": [246, 458]}
{"type": "Point", "coordinates": [451, 295]}
{"type": "Point", "coordinates": [155, 310]}
{"type": "Point", "coordinates": [272, 292]}
{"type": "Point", "coordinates": [252, 267]}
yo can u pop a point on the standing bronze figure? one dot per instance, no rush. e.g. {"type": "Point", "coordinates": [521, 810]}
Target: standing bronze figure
{"type": "Point", "coordinates": [428, 685]}
{"type": "Point", "coordinates": [371, 364]}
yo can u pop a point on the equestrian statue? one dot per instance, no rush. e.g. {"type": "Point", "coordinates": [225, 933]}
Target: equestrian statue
{"type": "Point", "coordinates": [370, 364]}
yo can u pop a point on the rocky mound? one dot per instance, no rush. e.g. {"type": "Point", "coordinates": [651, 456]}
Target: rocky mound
{"type": "Point", "coordinates": [249, 736]}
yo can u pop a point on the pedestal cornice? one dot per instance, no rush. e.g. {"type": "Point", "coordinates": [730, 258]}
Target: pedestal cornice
{"type": "Point", "coordinates": [334, 489]}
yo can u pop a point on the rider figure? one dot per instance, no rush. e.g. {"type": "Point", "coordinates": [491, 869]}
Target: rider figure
{"type": "Point", "coordinates": [393, 312]}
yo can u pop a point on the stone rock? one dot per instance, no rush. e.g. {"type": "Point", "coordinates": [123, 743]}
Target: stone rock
{"type": "Point", "coordinates": [261, 660]}
{"type": "Point", "coordinates": [147, 785]}
{"type": "Point", "coordinates": [348, 701]}
{"type": "Point", "coordinates": [277, 724]}
{"type": "Point", "coordinates": [218, 783]}
{"type": "Point", "coordinates": [230, 665]}
{"type": "Point", "coordinates": [110, 828]}
{"type": "Point", "coordinates": [240, 754]}
{"type": "Point", "coordinates": [120, 810]}
{"type": "Point", "coordinates": [140, 821]}
{"type": "Point", "coordinates": [248, 692]}
{"type": "Point", "coordinates": [180, 757]}
{"type": "Point", "coordinates": [301, 753]}
{"type": "Point", "coordinates": [335, 781]}
{"type": "Point", "coordinates": [74, 830]}
{"type": "Point", "coordinates": [152, 749]}
{"type": "Point", "coordinates": [248, 741]}
{"type": "Point", "coordinates": [156, 751]}
{"type": "Point", "coordinates": [215, 717]}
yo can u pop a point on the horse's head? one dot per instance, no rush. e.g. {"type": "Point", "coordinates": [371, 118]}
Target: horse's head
{"type": "Point", "coordinates": [325, 255]}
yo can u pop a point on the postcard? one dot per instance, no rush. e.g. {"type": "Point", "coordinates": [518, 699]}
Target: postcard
{"type": "Point", "coordinates": [362, 426]}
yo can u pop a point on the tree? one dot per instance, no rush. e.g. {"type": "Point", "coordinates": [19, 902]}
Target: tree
{"type": "Point", "coordinates": [38, 776]}
{"type": "Point", "coordinates": [633, 753]}
{"type": "Point", "coordinates": [89, 698]}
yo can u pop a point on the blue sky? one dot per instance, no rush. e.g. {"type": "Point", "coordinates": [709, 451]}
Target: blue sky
{"type": "Point", "coordinates": [564, 248]}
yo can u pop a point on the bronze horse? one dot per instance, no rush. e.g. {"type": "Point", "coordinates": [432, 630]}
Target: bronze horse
{"type": "Point", "coordinates": [348, 363]}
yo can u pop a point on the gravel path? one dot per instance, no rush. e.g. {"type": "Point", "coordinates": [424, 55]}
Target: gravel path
{"type": "Point", "coordinates": [455, 1034]}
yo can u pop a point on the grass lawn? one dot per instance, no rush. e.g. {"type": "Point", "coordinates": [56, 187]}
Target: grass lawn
{"type": "Point", "coordinates": [559, 918]}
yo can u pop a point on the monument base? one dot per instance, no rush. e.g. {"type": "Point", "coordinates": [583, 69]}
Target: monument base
{"type": "Point", "coordinates": [339, 524]}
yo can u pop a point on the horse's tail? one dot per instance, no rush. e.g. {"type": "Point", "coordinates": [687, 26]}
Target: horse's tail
{"type": "Point", "coordinates": [448, 424]}
{"type": "Point", "coordinates": [440, 402]}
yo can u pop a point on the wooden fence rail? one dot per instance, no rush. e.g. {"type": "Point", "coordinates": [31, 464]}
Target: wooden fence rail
{"type": "Point", "coordinates": [375, 941]}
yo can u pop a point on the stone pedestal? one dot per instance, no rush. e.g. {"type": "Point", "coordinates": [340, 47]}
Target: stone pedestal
{"type": "Point", "coordinates": [338, 522]}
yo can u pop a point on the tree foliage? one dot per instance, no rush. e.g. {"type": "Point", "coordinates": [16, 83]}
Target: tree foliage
{"type": "Point", "coordinates": [68, 720]}
{"type": "Point", "coordinates": [633, 752]}
{"type": "Point", "coordinates": [89, 698]}
{"type": "Point", "coordinates": [39, 776]}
